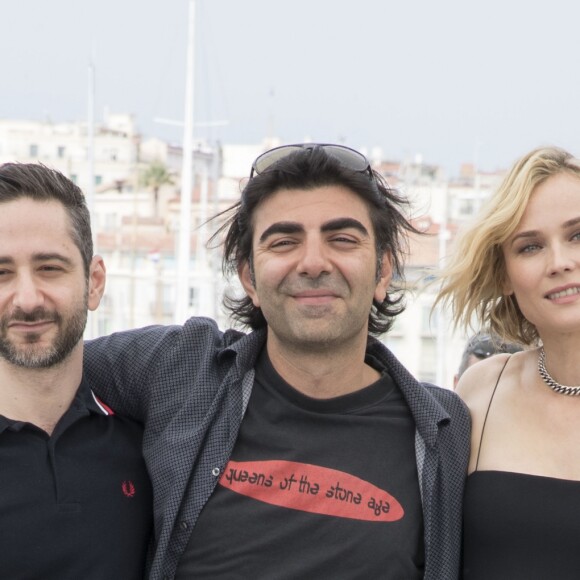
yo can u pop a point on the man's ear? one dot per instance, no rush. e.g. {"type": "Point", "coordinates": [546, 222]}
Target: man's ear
{"type": "Point", "coordinates": [384, 275]}
{"type": "Point", "coordinates": [247, 279]}
{"type": "Point", "coordinates": [97, 279]}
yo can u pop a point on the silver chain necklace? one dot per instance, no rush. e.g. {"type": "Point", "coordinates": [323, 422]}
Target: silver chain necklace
{"type": "Point", "coordinates": [555, 386]}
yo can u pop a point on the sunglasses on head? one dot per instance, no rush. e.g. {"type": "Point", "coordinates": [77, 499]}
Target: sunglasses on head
{"type": "Point", "coordinates": [485, 346]}
{"type": "Point", "coordinates": [347, 157]}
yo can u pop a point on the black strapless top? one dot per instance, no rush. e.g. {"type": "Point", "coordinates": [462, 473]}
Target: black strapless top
{"type": "Point", "coordinates": [521, 527]}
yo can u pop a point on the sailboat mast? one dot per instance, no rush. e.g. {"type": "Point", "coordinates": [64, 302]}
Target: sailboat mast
{"type": "Point", "coordinates": [184, 247]}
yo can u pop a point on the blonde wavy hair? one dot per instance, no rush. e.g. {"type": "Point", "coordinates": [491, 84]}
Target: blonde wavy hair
{"type": "Point", "coordinates": [473, 280]}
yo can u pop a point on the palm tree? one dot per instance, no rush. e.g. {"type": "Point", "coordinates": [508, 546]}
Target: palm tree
{"type": "Point", "coordinates": [155, 176]}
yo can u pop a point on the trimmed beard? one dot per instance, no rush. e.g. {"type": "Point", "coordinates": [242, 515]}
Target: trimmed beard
{"type": "Point", "coordinates": [70, 331]}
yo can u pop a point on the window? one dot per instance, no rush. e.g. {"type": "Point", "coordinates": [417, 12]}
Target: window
{"type": "Point", "coordinates": [98, 179]}
{"type": "Point", "coordinates": [33, 150]}
{"type": "Point", "coordinates": [428, 360]}
{"type": "Point", "coordinates": [429, 321]}
{"type": "Point", "coordinates": [60, 151]}
{"type": "Point", "coordinates": [396, 344]}
{"type": "Point", "coordinates": [111, 222]}
{"type": "Point", "coordinates": [466, 207]}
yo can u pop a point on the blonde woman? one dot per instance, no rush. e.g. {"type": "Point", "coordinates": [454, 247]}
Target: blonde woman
{"type": "Point", "coordinates": [516, 270]}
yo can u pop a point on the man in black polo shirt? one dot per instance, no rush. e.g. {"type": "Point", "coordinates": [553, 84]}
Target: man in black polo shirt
{"type": "Point", "coordinates": [75, 499]}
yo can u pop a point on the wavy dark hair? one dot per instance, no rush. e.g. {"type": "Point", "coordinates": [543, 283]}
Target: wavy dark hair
{"type": "Point", "coordinates": [40, 183]}
{"type": "Point", "coordinates": [310, 168]}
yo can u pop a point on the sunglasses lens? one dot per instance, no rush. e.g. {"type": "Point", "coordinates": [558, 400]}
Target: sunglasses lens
{"type": "Point", "coordinates": [345, 156]}
{"type": "Point", "coordinates": [348, 157]}
{"type": "Point", "coordinates": [264, 161]}
{"type": "Point", "coordinates": [482, 353]}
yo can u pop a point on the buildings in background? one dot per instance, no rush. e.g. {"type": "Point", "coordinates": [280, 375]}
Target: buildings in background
{"type": "Point", "coordinates": [65, 147]}
{"type": "Point", "coordinates": [135, 202]}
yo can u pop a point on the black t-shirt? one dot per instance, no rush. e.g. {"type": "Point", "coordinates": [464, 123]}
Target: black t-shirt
{"type": "Point", "coordinates": [314, 489]}
{"type": "Point", "coordinates": [75, 504]}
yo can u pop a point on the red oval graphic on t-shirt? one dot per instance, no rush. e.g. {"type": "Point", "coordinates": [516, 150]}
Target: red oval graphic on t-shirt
{"type": "Point", "coordinates": [311, 488]}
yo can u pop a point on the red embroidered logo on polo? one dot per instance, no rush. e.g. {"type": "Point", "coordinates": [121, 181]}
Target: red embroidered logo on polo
{"type": "Point", "coordinates": [128, 488]}
{"type": "Point", "coordinates": [311, 488]}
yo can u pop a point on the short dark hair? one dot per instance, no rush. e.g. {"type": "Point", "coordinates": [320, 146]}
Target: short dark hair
{"type": "Point", "coordinates": [310, 168]}
{"type": "Point", "coordinates": [483, 345]}
{"type": "Point", "coordinates": [40, 183]}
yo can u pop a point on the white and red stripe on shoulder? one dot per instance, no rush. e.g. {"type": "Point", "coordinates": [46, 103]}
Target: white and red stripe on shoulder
{"type": "Point", "coordinates": [105, 408]}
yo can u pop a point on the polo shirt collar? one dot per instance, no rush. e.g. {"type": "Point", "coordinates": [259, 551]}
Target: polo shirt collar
{"type": "Point", "coordinates": [85, 401]}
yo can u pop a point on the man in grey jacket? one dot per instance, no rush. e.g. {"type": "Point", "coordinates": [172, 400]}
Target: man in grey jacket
{"type": "Point", "coordinates": [303, 449]}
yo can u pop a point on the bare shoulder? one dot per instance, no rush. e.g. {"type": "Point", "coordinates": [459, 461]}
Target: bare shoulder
{"type": "Point", "coordinates": [479, 380]}
{"type": "Point", "coordinates": [477, 386]}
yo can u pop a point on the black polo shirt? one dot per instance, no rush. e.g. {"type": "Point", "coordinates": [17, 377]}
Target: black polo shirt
{"type": "Point", "coordinates": [75, 504]}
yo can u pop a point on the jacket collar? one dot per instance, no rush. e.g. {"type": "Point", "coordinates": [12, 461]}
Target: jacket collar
{"type": "Point", "coordinates": [427, 412]}
{"type": "Point", "coordinates": [244, 347]}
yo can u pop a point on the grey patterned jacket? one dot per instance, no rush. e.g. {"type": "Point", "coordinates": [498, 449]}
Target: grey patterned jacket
{"type": "Point", "coordinates": [190, 385]}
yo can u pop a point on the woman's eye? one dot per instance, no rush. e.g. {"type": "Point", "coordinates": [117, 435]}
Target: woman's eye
{"type": "Point", "coordinates": [528, 248]}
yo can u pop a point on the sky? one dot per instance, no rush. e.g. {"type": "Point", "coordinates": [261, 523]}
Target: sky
{"type": "Point", "coordinates": [451, 81]}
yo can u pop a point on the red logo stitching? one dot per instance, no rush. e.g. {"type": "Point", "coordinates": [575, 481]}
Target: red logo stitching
{"type": "Point", "coordinates": [128, 488]}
